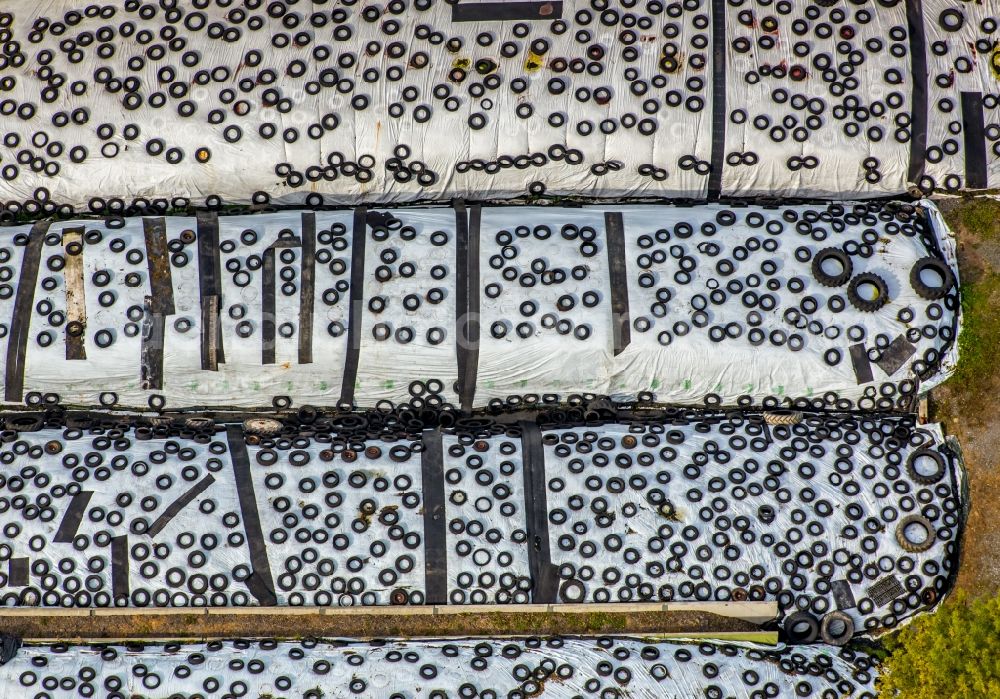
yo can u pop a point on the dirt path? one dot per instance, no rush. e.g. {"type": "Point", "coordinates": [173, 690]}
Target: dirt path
{"type": "Point", "coordinates": [199, 626]}
{"type": "Point", "coordinates": [969, 403]}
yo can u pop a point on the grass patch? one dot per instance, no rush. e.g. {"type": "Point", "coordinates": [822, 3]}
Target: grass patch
{"type": "Point", "coordinates": [976, 223]}
{"type": "Point", "coordinates": [979, 215]}
{"type": "Point", "coordinates": [980, 336]}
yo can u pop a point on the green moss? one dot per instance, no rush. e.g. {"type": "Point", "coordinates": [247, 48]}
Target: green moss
{"type": "Point", "coordinates": [979, 216]}
{"type": "Point", "coordinates": [980, 336]}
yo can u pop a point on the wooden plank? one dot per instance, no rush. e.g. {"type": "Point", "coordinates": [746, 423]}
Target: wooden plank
{"type": "Point", "coordinates": [76, 301]}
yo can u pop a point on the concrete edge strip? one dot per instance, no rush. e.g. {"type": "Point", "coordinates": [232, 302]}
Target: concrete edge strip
{"type": "Point", "coordinates": [752, 612]}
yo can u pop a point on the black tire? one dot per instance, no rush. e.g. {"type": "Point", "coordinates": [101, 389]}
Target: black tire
{"type": "Point", "coordinates": [938, 267]}
{"type": "Point", "coordinates": [911, 546]}
{"type": "Point", "coordinates": [572, 592]}
{"type": "Point", "coordinates": [832, 254]}
{"type": "Point", "coordinates": [868, 305]}
{"type": "Point", "coordinates": [836, 628]}
{"type": "Point", "coordinates": [801, 628]}
{"type": "Point", "coordinates": [951, 19]}
{"type": "Point", "coordinates": [926, 478]}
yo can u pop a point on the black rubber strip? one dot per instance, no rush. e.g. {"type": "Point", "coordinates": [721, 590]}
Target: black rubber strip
{"type": "Point", "coordinates": [209, 266]}
{"type": "Point", "coordinates": [24, 302]}
{"type": "Point", "coordinates": [261, 585]}
{"type": "Point", "coordinates": [472, 327]}
{"type": "Point", "coordinates": [72, 517]}
{"type": "Point", "coordinates": [862, 365]}
{"type": "Point", "coordinates": [895, 355]}
{"type": "Point", "coordinates": [544, 577]}
{"type": "Point", "coordinates": [435, 519]}
{"type": "Point", "coordinates": [119, 567]}
{"type": "Point", "coordinates": [161, 288]}
{"type": "Point", "coordinates": [179, 504]}
{"type": "Point", "coordinates": [357, 296]}
{"type": "Point", "coordinates": [17, 572]}
{"type": "Point", "coordinates": [307, 288]}
{"type": "Point", "coordinates": [268, 309]}
{"type": "Point", "coordinates": [975, 140]}
{"type": "Point", "coordinates": [766, 428]}
{"type": "Point", "coordinates": [621, 327]}
{"type": "Point", "coordinates": [545, 10]}
{"type": "Point", "coordinates": [918, 93]}
{"type": "Point", "coordinates": [461, 293]}
{"type": "Point", "coordinates": [720, 115]}
{"type": "Point", "coordinates": [151, 351]}
{"type": "Point", "coordinates": [843, 595]}
{"type": "Point", "coordinates": [467, 301]}
{"type": "Point", "coordinates": [76, 344]}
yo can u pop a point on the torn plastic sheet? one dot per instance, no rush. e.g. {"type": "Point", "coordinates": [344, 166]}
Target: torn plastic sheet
{"type": "Point", "coordinates": [668, 506]}
{"type": "Point", "coordinates": [717, 305]}
{"type": "Point", "coordinates": [347, 105]}
{"type": "Point", "coordinates": [557, 667]}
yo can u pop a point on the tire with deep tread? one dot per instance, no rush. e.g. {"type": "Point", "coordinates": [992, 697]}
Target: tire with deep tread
{"type": "Point", "coordinates": [832, 279]}
{"type": "Point", "coordinates": [199, 423]}
{"type": "Point", "coordinates": [783, 417]}
{"type": "Point", "coordinates": [908, 545]}
{"type": "Point", "coordinates": [839, 639]}
{"type": "Point", "coordinates": [24, 423]}
{"type": "Point", "coordinates": [931, 293]}
{"type": "Point", "coordinates": [866, 305]}
{"type": "Point", "coordinates": [924, 479]}
{"type": "Point", "coordinates": [262, 426]}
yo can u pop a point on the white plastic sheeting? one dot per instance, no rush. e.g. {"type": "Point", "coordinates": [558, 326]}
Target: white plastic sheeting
{"type": "Point", "coordinates": [787, 129]}
{"type": "Point", "coordinates": [367, 136]}
{"type": "Point", "coordinates": [486, 511]}
{"type": "Point", "coordinates": [674, 506]}
{"type": "Point", "coordinates": [732, 510]}
{"type": "Point", "coordinates": [200, 550]}
{"type": "Point", "coordinates": [479, 109]}
{"type": "Point", "coordinates": [331, 528]}
{"type": "Point", "coordinates": [675, 359]}
{"type": "Point", "coordinates": [551, 667]}
{"type": "Point", "coordinates": [962, 62]}
{"type": "Point", "coordinates": [695, 281]}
